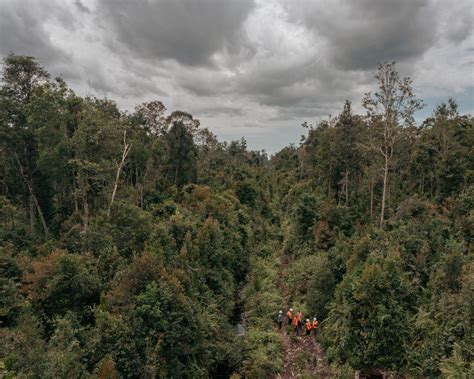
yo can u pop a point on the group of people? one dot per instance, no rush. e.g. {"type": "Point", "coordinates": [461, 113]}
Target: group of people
{"type": "Point", "coordinates": [295, 321]}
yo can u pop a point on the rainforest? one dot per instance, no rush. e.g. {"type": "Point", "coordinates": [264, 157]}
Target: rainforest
{"type": "Point", "coordinates": [139, 245]}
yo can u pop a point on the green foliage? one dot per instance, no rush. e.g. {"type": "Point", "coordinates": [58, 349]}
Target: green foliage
{"type": "Point", "coordinates": [265, 354]}
{"type": "Point", "coordinates": [321, 287]}
{"type": "Point", "coordinates": [64, 354]}
{"type": "Point", "coordinates": [24, 355]}
{"type": "Point", "coordinates": [342, 371]}
{"type": "Point", "coordinates": [62, 282]}
{"type": "Point", "coordinates": [128, 226]}
{"type": "Point", "coordinates": [367, 324]}
{"type": "Point", "coordinates": [141, 265]}
{"type": "Point", "coordinates": [181, 161]}
{"type": "Point", "coordinates": [247, 193]}
{"type": "Point", "coordinates": [10, 296]}
{"type": "Point", "coordinates": [263, 347]}
{"type": "Point", "coordinates": [457, 365]}
{"type": "Point", "coordinates": [306, 216]}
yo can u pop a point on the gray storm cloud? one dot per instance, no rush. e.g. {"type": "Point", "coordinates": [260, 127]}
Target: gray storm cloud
{"type": "Point", "coordinates": [187, 31]}
{"type": "Point", "coordinates": [244, 66]}
{"type": "Point", "coordinates": [22, 31]}
{"type": "Point", "coordinates": [363, 33]}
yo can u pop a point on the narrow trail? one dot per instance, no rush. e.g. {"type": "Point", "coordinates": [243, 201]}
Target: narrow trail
{"type": "Point", "coordinates": [304, 356]}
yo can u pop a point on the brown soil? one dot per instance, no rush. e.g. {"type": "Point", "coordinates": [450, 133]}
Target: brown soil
{"type": "Point", "coordinates": [304, 358]}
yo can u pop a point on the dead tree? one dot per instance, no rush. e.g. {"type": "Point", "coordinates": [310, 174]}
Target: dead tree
{"type": "Point", "coordinates": [126, 150]}
{"type": "Point", "coordinates": [392, 104]}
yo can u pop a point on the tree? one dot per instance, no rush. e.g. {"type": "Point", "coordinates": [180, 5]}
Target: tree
{"type": "Point", "coordinates": [348, 157]}
{"type": "Point", "coordinates": [182, 155]}
{"type": "Point", "coordinates": [184, 118]}
{"type": "Point", "coordinates": [21, 76]}
{"type": "Point", "coordinates": [146, 271]}
{"type": "Point", "coordinates": [392, 104]}
{"type": "Point", "coordinates": [442, 152]}
{"type": "Point", "coordinates": [368, 321]}
{"type": "Point", "coordinates": [321, 287]}
{"type": "Point", "coordinates": [94, 147]}
{"type": "Point", "coordinates": [62, 282]}
{"type": "Point", "coordinates": [152, 116]}
{"type": "Point", "coordinates": [63, 358]}
{"type": "Point", "coordinates": [126, 150]}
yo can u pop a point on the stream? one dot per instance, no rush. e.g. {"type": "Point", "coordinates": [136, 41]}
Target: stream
{"type": "Point", "coordinates": [240, 327]}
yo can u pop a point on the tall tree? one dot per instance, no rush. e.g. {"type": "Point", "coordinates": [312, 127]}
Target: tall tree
{"type": "Point", "coordinates": [152, 117]}
{"type": "Point", "coordinates": [126, 149]}
{"type": "Point", "coordinates": [94, 145]}
{"type": "Point", "coordinates": [347, 152]}
{"type": "Point", "coordinates": [21, 75]}
{"type": "Point", "coordinates": [442, 153]}
{"type": "Point", "coordinates": [182, 154]}
{"type": "Point", "coordinates": [394, 103]}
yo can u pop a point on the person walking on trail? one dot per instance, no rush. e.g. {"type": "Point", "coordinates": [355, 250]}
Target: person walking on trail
{"type": "Point", "coordinates": [280, 319]}
{"type": "Point", "coordinates": [300, 321]}
{"type": "Point", "coordinates": [309, 326]}
{"type": "Point", "coordinates": [289, 316]}
{"type": "Point", "coordinates": [295, 325]}
{"type": "Point", "coordinates": [315, 326]}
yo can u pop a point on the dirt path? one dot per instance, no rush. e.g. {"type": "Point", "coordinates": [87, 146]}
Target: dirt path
{"type": "Point", "coordinates": [303, 354]}
{"type": "Point", "coordinates": [303, 358]}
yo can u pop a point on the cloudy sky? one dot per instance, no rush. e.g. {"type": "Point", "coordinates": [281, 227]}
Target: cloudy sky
{"type": "Point", "coordinates": [253, 68]}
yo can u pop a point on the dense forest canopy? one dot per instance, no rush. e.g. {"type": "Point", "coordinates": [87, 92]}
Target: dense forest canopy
{"type": "Point", "coordinates": [131, 244]}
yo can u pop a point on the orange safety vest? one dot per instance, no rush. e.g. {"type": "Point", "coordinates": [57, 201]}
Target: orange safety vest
{"type": "Point", "coordinates": [289, 315]}
{"type": "Point", "coordinates": [315, 324]}
{"type": "Point", "coordinates": [295, 321]}
{"type": "Point", "coordinates": [300, 316]}
{"type": "Point", "coordinates": [308, 325]}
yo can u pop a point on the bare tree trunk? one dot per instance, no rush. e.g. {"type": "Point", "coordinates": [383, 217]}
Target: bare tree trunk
{"type": "Point", "coordinates": [40, 213]}
{"type": "Point", "coordinates": [31, 214]}
{"type": "Point", "coordinates": [384, 191]}
{"type": "Point", "coordinates": [32, 198]}
{"type": "Point", "coordinates": [176, 176]}
{"type": "Point", "coordinates": [126, 150]}
{"type": "Point", "coordinates": [143, 184]}
{"type": "Point", "coordinates": [329, 178]}
{"type": "Point", "coordinates": [85, 204]}
{"type": "Point", "coordinates": [371, 188]}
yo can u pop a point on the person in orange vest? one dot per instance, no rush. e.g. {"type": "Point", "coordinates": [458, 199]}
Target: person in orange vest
{"type": "Point", "coordinates": [289, 316]}
{"type": "Point", "coordinates": [295, 323]}
{"type": "Point", "coordinates": [315, 326]}
{"type": "Point", "coordinates": [309, 326]}
{"type": "Point", "coordinates": [300, 320]}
